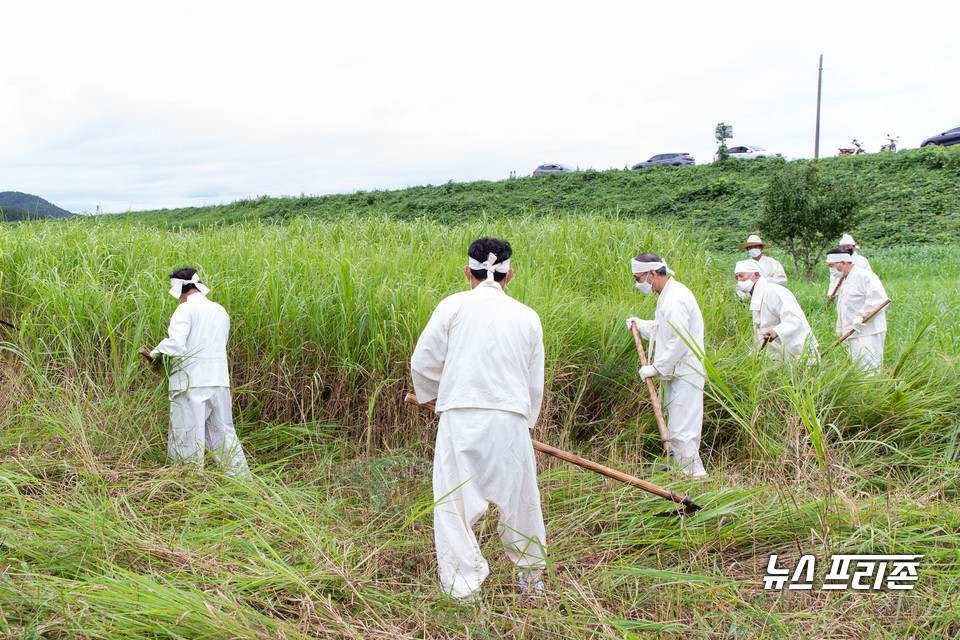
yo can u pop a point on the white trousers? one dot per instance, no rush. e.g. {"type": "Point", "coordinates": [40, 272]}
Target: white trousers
{"type": "Point", "coordinates": [203, 418]}
{"type": "Point", "coordinates": [867, 351]}
{"type": "Point", "coordinates": [484, 456]}
{"type": "Point", "coordinates": [682, 401]}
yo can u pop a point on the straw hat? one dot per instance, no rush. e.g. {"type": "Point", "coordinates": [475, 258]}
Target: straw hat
{"type": "Point", "coordinates": [753, 241]}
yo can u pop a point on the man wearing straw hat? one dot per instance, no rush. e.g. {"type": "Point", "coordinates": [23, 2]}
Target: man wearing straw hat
{"type": "Point", "coordinates": [481, 357]}
{"type": "Point", "coordinates": [676, 342]}
{"type": "Point", "coordinates": [858, 295]}
{"type": "Point", "coordinates": [200, 412]}
{"type": "Point", "coordinates": [770, 268]}
{"type": "Point", "coordinates": [779, 324]}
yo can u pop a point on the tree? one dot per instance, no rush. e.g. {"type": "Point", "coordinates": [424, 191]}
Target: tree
{"type": "Point", "coordinates": [806, 214]}
{"type": "Point", "coordinates": [722, 132]}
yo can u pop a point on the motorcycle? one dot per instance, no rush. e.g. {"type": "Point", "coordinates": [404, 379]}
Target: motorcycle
{"type": "Point", "coordinates": [853, 152]}
{"type": "Point", "coordinates": [892, 147]}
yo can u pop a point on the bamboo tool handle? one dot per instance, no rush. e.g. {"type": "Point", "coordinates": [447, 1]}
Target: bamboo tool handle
{"type": "Point", "coordinates": [833, 295]}
{"type": "Point", "coordinates": [654, 398]}
{"type": "Point", "coordinates": [689, 505]}
{"type": "Point", "coordinates": [148, 359]}
{"type": "Point", "coordinates": [851, 332]}
{"type": "Point", "coordinates": [763, 345]}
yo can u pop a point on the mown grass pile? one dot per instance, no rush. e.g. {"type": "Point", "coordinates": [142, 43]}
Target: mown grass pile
{"type": "Point", "coordinates": [332, 537]}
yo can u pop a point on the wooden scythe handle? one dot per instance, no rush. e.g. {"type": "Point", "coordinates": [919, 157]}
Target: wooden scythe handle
{"type": "Point", "coordinates": [689, 505]}
{"type": "Point", "coordinates": [763, 345]}
{"type": "Point", "coordinates": [851, 332]}
{"type": "Point", "coordinates": [833, 294]}
{"type": "Point", "coordinates": [654, 397]}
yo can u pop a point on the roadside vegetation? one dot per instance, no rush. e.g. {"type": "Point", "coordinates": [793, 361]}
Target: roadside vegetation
{"type": "Point", "coordinates": [333, 539]}
{"type": "Point", "coordinates": [912, 196]}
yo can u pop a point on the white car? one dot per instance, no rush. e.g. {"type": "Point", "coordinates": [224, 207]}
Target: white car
{"type": "Point", "coordinates": [749, 151]}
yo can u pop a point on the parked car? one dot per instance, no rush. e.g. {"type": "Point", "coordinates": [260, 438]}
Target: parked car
{"type": "Point", "coordinates": [948, 137]}
{"type": "Point", "coordinates": [749, 151]}
{"type": "Point", "coordinates": [674, 159]}
{"type": "Point", "coordinates": [551, 168]}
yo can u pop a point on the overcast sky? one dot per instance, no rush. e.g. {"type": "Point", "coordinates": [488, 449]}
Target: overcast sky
{"type": "Point", "coordinates": [132, 105]}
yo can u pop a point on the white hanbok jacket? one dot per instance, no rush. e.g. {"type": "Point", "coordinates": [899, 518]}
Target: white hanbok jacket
{"type": "Point", "coordinates": [197, 340]}
{"type": "Point", "coordinates": [676, 323]}
{"type": "Point", "coordinates": [771, 269]}
{"type": "Point", "coordinates": [860, 293]}
{"type": "Point", "coordinates": [481, 349]}
{"type": "Point", "coordinates": [774, 308]}
{"type": "Point", "coordinates": [860, 261]}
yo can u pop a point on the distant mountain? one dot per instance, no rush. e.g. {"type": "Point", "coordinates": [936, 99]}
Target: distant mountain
{"type": "Point", "coordinates": [24, 203]}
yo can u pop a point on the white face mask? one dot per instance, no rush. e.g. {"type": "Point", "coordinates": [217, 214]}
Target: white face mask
{"type": "Point", "coordinates": [645, 288]}
{"type": "Point", "coordinates": [754, 253]}
{"type": "Point", "coordinates": [834, 273]}
{"type": "Point", "coordinates": [744, 285]}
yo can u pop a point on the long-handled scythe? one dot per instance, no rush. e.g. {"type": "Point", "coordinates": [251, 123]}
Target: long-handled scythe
{"type": "Point", "coordinates": [689, 506]}
{"type": "Point", "coordinates": [149, 360]}
{"type": "Point", "coordinates": [851, 332]}
{"type": "Point", "coordinates": [654, 397]}
{"type": "Point", "coordinates": [833, 294]}
{"type": "Point", "coordinates": [763, 345]}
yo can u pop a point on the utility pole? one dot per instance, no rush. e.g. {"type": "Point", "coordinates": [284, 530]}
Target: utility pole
{"type": "Point", "coordinates": [816, 144]}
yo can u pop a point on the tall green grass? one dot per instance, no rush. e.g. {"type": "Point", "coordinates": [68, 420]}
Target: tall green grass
{"type": "Point", "coordinates": [332, 537]}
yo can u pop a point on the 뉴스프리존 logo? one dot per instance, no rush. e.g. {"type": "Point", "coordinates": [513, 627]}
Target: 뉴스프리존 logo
{"type": "Point", "coordinates": [859, 572]}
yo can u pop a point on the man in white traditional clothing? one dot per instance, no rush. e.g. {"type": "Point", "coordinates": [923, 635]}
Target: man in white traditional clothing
{"type": "Point", "coordinates": [676, 340]}
{"type": "Point", "coordinates": [770, 268]}
{"type": "Point", "coordinates": [859, 293]}
{"type": "Point", "coordinates": [481, 357]}
{"type": "Point", "coordinates": [778, 320]}
{"type": "Point", "coordinates": [848, 244]}
{"type": "Point", "coordinates": [201, 416]}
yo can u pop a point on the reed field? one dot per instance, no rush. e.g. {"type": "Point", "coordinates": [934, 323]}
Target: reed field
{"type": "Point", "coordinates": [332, 537]}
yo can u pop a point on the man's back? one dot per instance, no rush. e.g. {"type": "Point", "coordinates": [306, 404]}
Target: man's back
{"type": "Point", "coordinates": [482, 349]}
{"type": "Point", "coordinates": [197, 340]}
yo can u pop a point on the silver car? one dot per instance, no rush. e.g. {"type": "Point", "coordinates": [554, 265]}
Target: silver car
{"type": "Point", "coordinates": [551, 168]}
{"type": "Point", "coordinates": [674, 159]}
{"type": "Point", "coordinates": [749, 151]}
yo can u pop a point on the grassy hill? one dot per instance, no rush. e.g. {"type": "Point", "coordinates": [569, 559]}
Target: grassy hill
{"type": "Point", "coordinates": [909, 197]}
{"type": "Point", "coordinates": [15, 205]}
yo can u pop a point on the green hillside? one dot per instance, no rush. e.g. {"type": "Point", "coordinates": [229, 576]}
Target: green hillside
{"type": "Point", "coordinates": [15, 205]}
{"type": "Point", "coordinates": [909, 197]}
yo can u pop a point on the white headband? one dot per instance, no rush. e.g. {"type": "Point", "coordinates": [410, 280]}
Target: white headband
{"type": "Point", "coordinates": [643, 267]}
{"type": "Point", "coordinates": [746, 266]}
{"type": "Point", "coordinates": [176, 286]}
{"type": "Point", "coordinates": [839, 257]}
{"type": "Point", "coordinates": [489, 267]}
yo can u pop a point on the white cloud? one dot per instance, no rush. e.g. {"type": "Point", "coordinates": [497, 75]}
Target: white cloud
{"type": "Point", "coordinates": [134, 106]}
